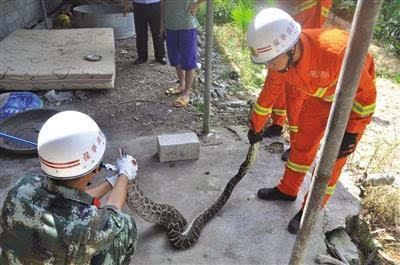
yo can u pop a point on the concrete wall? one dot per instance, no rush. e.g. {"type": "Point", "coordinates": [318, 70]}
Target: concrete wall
{"type": "Point", "coordinates": [19, 13]}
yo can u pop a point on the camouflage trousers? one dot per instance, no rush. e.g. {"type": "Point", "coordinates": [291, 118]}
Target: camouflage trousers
{"type": "Point", "coordinates": [122, 247]}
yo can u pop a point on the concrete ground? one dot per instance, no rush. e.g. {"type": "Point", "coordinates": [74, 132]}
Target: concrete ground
{"type": "Point", "coordinates": [246, 231]}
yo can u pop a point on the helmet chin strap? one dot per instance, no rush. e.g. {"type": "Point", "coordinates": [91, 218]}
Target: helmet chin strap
{"type": "Point", "coordinates": [290, 54]}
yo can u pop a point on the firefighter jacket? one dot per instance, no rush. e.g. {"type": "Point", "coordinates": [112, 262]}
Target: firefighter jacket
{"type": "Point", "coordinates": [310, 13]}
{"type": "Point", "coordinates": [316, 73]}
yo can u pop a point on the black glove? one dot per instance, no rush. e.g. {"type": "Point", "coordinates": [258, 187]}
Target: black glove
{"type": "Point", "coordinates": [348, 145]}
{"type": "Point", "coordinates": [254, 137]}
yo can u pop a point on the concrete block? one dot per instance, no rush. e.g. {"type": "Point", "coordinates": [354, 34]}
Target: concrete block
{"type": "Point", "coordinates": [174, 147]}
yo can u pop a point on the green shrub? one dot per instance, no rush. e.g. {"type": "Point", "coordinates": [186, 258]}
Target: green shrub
{"type": "Point", "coordinates": [344, 8]}
{"type": "Point", "coordinates": [387, 29]}
{"type": "Point", "coordinates": [242, 15]}
{"type": "Point", "coordinates": [222, 11]}
{"type": "Point", "coordinates": [251, 75]}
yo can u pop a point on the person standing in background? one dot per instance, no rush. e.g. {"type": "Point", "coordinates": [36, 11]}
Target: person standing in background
{"type": "Point", "coordinates": [179, 24]}
{"type": "Point", "coordinates": [147, 13]}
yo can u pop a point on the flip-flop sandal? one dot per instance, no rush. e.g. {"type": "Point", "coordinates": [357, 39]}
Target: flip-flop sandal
{"type": "Point", "coordinates": [173, 91]}
{"type": "Point", "coordinates": [182, 101]}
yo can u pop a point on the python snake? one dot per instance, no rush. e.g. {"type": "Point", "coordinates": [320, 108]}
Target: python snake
{"type": "Point", "coordinates": [180, 234]}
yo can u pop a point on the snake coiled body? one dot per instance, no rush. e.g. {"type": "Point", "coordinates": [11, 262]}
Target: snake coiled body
{"type": "Point", "coordinates": [179, 234]}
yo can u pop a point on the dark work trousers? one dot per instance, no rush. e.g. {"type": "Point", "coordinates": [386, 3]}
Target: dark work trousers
{"type": "Point", "coordinates": [148, 14]}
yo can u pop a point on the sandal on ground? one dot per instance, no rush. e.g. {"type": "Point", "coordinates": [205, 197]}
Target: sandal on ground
{"type": "Point", "coordinates": [173, 91]}
{"type": "Point", "coordinates": [182, 101]}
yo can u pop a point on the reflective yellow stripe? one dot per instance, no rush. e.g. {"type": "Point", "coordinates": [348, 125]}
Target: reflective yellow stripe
{"type": "Point", "coordinates": [330, 190]}
{"type": "Point", "coordinates": [324, 11]}
{"type": "Point", "coordinates": [330, 98]}
{"type": "Point", "coordinates": [363, 110]}
{"type": "Point", "coordinates": [261, 110]}
{"type": "Point", "coordinates": [298, 168]}
{"type": "Point", "coordinates": [304, 6]}
{"type": "Point", "coordinates": [279, 112]}
{"type": "Point", "coordinates": [320, 92]}
{"type": "Point", "coordinates": [294, 128]}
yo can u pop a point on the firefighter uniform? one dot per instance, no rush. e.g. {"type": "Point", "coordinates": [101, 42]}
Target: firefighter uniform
{"type": "Point", "coordinates": [316, 74]}
{"type": "Point", "coordinates": [310, 14]}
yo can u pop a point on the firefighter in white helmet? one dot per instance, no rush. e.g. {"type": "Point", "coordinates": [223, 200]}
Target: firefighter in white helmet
{"type": "Point", "coordinates": [56, 218]}
{"type": "Point", "coordinates": [264, 37]}
{"type": "Point", "coordinates": [309, 61]}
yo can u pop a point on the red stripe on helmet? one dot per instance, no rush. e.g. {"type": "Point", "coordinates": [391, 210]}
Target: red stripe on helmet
{"type": "Point", "coordinates": [58, 164]}
{"type": "Point", "coordinates": [264, 48]}
{"type": "Point", "coordinates": [61, 167]}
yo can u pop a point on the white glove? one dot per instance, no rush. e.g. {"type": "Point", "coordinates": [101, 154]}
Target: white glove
{"type": "Point", "coordinates": [127, 166]}
{"type": "Point", "coordinates": [112, 179]}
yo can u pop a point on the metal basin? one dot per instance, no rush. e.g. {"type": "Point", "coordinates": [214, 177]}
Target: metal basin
{"type": "Point", "coordinates": [102, 16]}
{"type": "Point", "coordinates": [25, 125]}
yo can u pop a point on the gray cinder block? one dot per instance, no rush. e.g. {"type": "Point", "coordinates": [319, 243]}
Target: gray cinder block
{"type": "Point", "coordinates": [182, 146]}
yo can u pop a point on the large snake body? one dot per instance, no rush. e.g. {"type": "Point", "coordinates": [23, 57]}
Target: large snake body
{"type": "Point", "coordinates": [172, 220]}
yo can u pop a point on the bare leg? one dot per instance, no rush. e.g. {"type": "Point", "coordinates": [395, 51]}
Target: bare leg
{"type": "Point", "coordinates": [181, 76]}
{"type": "Point", "coordinates": [188, 82]}
{"type": "Point", "coordinates": [185, 86]}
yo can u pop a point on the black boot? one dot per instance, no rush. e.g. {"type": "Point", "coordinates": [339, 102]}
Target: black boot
{"type": "Point", "coordinates": [273, 194]}
{"type": "Point", "coordinates": [273, 131]}
{"type": "Point", "coordinates": [294, 224]}
{"type": "Point", "coordinates": [285, 155]}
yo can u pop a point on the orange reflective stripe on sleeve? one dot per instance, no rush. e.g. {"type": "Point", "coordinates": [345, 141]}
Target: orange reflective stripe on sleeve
{"type": "Point", "coordinates": [261, 110]}
{"type": "Point", "coordinates": [363, 110]}
{"type": "Point", "coordinates": [294, 128]}
{"type": "Point", "coordinates": [279, 112]}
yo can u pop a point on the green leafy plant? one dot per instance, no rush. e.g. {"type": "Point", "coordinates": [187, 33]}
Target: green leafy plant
{"type": "Point", "coordinates": [344, 8]}
{"type": "Point", "coordinates": [202, 14]}
{"type": "Point", "coordinates": [222, 11]}
{"type": "Point", "coordinates": [242, 15]}
{"type": "Point", "coordinates": [397, 78]}
{"type": "Point", "coordinates": [387, 30]}
{"type": "Point", "coordinates": [251, 75]}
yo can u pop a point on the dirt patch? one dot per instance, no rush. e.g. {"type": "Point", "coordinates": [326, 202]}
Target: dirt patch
{"type": "Point", "coordinates": [138, 103]}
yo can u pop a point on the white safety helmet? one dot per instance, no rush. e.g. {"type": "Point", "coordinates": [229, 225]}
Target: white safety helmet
{"type": "Point", "coordinates": [70, 145]}
{"type": "Point", "coordinates": [271, 33]}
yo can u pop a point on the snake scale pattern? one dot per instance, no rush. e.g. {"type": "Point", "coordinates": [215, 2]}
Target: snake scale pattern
{"type": "Point", "coordinates": [181, 234]}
